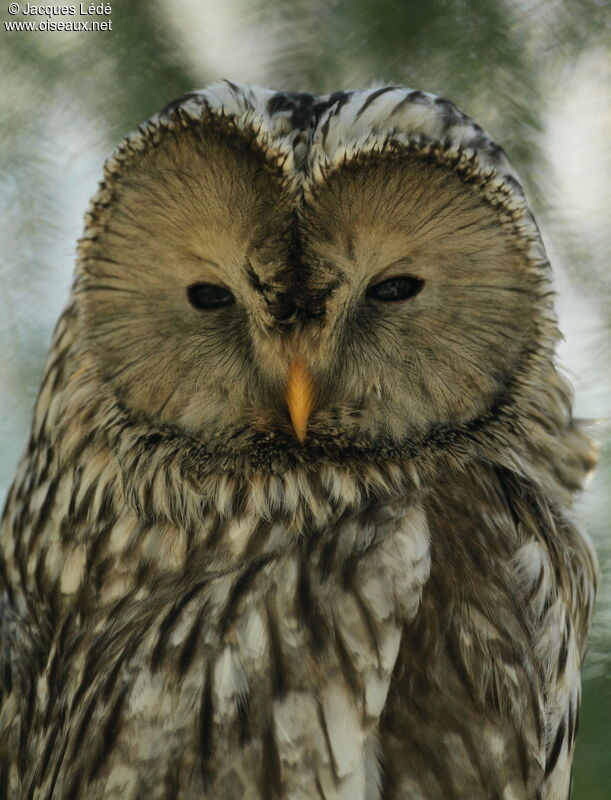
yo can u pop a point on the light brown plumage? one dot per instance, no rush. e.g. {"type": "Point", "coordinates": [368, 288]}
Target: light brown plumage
{"type": "Point", "coordinates": [213, 586]}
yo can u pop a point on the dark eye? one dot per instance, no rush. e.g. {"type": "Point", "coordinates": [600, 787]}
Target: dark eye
{"type": "Point", "coordinates": [393, 290]}
{"type": "Point", "coordinates": [207, 297]}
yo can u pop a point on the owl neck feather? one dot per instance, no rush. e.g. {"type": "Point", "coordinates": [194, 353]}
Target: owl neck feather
{"type": "Point", "coordinates": [166, 474]}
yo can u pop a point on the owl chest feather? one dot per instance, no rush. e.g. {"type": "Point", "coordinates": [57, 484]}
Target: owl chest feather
{"type": "Point", "coordinates": [254, 658]}
{"type": "Point", "coordinates": [293, 660]}
{"type": "Point", "coordinates": [250, 656]}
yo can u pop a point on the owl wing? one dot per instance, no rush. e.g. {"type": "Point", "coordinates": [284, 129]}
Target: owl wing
{"type": "Point", "coordinates": [555, 571]}
{"type": "Point", "coordinates": [485, 694]}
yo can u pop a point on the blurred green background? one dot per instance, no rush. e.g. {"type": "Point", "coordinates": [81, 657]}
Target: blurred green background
{"type": "Point", "coordinates": [535, 73]}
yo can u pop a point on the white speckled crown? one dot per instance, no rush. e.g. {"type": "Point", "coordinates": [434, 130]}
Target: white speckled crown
{"type": "Point", "coordinates": [310, 135]}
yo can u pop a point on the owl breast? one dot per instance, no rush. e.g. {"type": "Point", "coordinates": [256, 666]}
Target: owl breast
{"type": "Point", "coordinates": [270, 675]}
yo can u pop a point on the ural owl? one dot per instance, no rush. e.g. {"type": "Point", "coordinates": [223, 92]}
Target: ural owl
{"type": "Point", "coordinates": [295, 517]}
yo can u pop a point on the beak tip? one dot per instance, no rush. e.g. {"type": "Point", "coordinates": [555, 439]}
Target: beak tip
{"type": "Point", "coordinates": [299, 397]}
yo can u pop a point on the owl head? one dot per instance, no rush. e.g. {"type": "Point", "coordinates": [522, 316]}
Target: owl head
{"type": "Point", "coordinates": [273, 272]}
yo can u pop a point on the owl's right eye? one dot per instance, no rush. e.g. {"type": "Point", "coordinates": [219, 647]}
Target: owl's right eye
{"type": "Point", "coordinates": [208, 297]}
{"type": "Point", "coordinates": [396, 290]}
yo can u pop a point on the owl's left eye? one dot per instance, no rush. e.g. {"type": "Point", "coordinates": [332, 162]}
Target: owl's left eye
{"type": "Point", "coordinates": [207, 296]}
{"type": "Point", "coordinates": [394, 290]}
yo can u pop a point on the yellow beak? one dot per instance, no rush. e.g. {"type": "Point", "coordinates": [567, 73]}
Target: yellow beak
{"type": "Point", "coordinates": [299, 396]}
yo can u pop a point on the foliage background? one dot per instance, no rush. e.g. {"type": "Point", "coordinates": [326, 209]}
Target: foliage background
{"type": "Point", "coordinates": [535, 73]}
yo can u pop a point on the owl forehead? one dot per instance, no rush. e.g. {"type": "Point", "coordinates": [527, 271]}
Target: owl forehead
{"type": "Point", "coordinates": [308, 135]}
{"type": "Point", "coordinates": [313, 132]}
{"type": "Point", "coordinates": [283, 149]}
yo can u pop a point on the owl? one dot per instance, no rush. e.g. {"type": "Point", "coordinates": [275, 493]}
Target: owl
{"type": "Point", "coordinates": [295, 516]}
